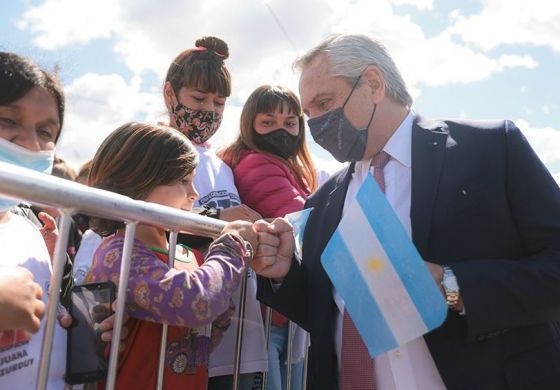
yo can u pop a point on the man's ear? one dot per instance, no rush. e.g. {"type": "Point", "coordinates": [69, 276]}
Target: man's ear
{"type": "Point", "coordinates": [169, 95]}
{"type": "Point", "coordinates": [373, 77]}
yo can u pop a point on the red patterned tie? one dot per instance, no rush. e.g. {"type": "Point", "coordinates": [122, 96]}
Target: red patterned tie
{"type": "Point", "coordinates": [378, 162]}
{"type": "Point", "coordinates": [356, 364]}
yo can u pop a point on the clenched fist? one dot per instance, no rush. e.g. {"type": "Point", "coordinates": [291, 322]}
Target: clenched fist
{"type": "Point", "coordinates": [21, 306]}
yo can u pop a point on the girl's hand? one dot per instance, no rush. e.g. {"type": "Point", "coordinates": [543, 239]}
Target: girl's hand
{"type": "Point", "coordinates": [243, 229]}
{"type": "Point", "coordinates": [49, 231]}
{"type": "Point", "coordinates": [104, 329]}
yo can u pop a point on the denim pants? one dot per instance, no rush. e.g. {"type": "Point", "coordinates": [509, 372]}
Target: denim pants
{"type": "Point", "coordinates": [278, 361]}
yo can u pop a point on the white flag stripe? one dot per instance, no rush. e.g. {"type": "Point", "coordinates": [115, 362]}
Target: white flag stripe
{"type": "Point", "coordinates": [383, 281]}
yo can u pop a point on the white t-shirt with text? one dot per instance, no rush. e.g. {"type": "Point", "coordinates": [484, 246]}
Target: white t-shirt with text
{"type": "Point", "coordinates": [22, 245]}
{"type": "Point", "coordinates": [216, 188]}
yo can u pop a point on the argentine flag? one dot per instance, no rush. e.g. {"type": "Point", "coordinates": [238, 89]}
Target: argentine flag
{"type": "Point", "coordinates": [298, 220]}
{"type": "Point", "coordinates": [387, 290]}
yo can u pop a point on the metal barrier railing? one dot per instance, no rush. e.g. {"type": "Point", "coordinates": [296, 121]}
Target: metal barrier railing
{"type": "Point", "coordinates": [161, 364]}
{"type": "Point", "coordinates": [267, 329]}
{"type": "Point", "coordinates": [71, 198]}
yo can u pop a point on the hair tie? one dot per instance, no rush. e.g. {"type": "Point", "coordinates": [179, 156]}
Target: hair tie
{"type": "Point", "coordinates": [202, 48]}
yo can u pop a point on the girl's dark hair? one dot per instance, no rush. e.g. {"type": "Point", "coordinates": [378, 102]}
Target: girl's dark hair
{"type": "Point", "coordinates": [136, 158]}
{"type": "Point", "coordinates": [266, 99]}
{"type": "Point", "coordinates": [19, 75]}
{"type": "Point", "coordinates": [202, 67]}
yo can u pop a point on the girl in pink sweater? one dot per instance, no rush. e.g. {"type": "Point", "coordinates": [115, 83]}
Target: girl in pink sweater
{"type": "Point", "coordinates": [274, 175]}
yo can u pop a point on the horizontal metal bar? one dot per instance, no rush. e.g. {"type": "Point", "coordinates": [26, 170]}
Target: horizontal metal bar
{"type": "Point", "coordinates": [40, 188]}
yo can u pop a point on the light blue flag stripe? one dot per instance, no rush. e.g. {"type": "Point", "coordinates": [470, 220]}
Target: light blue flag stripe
{"type": "Point", "coordinates": [405, 258]}
{"type": "Point", "coordinates": [342, 270]}
{"type": "Point", "coordinates": [388, 291]}
{"type": "Point", "coordinates": [298, 220]}
{"type": "Point", "coordinates": [383, 281]}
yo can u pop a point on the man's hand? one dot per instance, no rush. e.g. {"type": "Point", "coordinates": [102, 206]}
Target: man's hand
{"type": "Point", "coordinates": [241, 212]}
{"type": "Point", "coordinates": [49, 231]}
{"type": "Point", "coordinates": [437, 273]}
{"type": "Point", "coordinates": [21, 306]}
{"type": "Point", "coordinates": [273, 255]}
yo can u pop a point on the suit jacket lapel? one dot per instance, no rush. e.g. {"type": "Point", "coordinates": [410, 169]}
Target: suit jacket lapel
{"type": "Point", "coordinates": [334, 206]}
{"type": "Point", "coordinates": [429, 142]}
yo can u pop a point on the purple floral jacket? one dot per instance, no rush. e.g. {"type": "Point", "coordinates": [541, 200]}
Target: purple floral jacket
{"type": "Point", "coordinates": [159, 294]}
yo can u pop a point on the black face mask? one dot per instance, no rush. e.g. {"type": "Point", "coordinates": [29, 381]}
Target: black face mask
{"type": "Point", "coordinates": [278, 142]}
{"type": "Point", "coordinates": [336, 134]}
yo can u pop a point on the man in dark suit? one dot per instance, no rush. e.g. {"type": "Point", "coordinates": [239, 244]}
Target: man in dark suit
{"type": "Point", "coordinates": [478, 204]}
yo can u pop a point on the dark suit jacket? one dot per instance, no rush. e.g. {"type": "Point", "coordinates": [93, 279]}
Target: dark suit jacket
{"type": "Point", "coordinates": [483, 203]}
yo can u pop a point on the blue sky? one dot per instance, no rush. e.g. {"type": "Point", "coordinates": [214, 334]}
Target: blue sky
{"type": "Point", "coordinates": [493, 59]}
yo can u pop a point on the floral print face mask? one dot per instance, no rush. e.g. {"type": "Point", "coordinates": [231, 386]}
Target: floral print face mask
{"type": "Point", "coordinates": [199, 126]}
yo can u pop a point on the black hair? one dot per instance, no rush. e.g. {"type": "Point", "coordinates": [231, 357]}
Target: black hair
{"type": "Point", "coordinates": [19, 75]}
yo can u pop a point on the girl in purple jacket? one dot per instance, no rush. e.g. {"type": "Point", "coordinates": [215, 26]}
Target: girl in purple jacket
{"type": "Point", "coordinates": [274, 175]}
{"type": "Point", "coordinates": [157, 164]}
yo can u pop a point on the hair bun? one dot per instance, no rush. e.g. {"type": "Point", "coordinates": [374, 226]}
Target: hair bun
{"type": "Point", "coordinates": [214, 44]}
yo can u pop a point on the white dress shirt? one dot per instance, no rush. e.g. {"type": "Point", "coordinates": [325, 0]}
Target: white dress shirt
{"type": "Point", "coordinates": [410, 366]}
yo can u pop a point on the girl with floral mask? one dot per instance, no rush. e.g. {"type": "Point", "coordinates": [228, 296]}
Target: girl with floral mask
{"type": "Point", "coordinates": [274, 174]}
{"type": "Point", "coordinates": [197, 86]}
{"type": "Point", "coordinates": [31, 115]}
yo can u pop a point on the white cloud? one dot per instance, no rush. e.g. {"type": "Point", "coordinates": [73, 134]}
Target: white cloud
{"type": "Point", "coordinates": [97, 105]}
{"type": "Point", "coordinates": [509, 22]}
{"type": "Point", "coordinates": [420, 4]}
{"type": "Point", "coordinates": [147, 35]}
{"type": "Point", "coordinates": [58, 23]}
{"type": "Point", "coordinates": [546, 142]}
{"type": "Point", "coordinates": [549, 108]}
{"type": "Point", "coordinates": [434, 61]}
{"type": "Point", "coordinates": [440, 61]}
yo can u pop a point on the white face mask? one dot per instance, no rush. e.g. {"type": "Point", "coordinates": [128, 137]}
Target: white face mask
{"type": "Point", "coordinates": [41, 161]}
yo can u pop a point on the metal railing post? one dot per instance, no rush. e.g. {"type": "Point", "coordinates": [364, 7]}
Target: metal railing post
{"type": "Point", "coordinates": [305, 362]}
{"type": "Point", "coordinates": [53, 299]}
{"type": "Point", "coordinates": [121, 302]}
{"type": "Point", "coordinates": [267, 328]}
{"type": "Point", "coordinates": [163, 345]}
{"type": "Point", "coordinates": [240, 325]}
{"type": "Point", "coordinates": [289, 353]}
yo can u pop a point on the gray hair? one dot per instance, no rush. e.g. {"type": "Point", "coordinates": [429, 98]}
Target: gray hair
{"type": "Point", "coordinates": [350, 54]}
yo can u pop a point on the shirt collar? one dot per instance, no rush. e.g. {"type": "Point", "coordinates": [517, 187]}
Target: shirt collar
{"type": "Point", "coordinates": [399, 145]}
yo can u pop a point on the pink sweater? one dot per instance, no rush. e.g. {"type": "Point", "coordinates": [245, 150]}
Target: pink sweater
{"type": "Point", "coordinates": [268, 186]}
